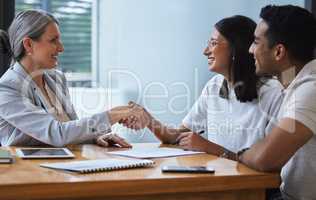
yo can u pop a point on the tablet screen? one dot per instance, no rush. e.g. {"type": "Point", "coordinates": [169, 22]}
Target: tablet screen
{"type": "Point", "coordinates": [43, 152]}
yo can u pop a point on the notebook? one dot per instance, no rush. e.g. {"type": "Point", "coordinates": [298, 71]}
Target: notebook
{"type": "Point", "coordinates": [5, 156]}
{"type": "Point", "coordinates": [100, 165]}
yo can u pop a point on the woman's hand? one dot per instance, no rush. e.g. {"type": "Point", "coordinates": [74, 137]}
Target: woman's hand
{"type": "Point", "coordinates": [132, 116]}
{"type": "Point", "coordinates": [138, 119]}
{"type": "Point", "coordinates": [193, 141]}
{"type": "Point", "coordinates": [112, 139]}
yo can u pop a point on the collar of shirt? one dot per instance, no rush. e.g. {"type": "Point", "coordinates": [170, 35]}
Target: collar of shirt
{"type": "Point", "coordinates": [309, 68]}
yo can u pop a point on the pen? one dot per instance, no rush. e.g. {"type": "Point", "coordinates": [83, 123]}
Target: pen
{"type": "Point", "coordinates": [201, 132]}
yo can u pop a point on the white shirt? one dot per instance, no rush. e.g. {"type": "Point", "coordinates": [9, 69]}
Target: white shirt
{"type": "Point", "coordinates": [231, 123]}
{"type": "Point", "coordinates": [299, 173]}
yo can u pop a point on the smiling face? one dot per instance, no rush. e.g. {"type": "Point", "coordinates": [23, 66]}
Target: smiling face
{"type": "Point", "coordinates": [265, 59]}
{"type": "Point", "coordinates": [45, 50]}
{"type": "Point", "coordinates": [218, 54]}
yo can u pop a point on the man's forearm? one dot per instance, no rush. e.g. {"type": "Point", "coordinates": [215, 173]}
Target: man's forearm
{"type": "Point", "coordinates": [260, 159]}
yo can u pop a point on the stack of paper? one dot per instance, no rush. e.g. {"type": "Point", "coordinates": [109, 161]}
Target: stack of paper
{"type": "Point", "coordinates": [154, 152]}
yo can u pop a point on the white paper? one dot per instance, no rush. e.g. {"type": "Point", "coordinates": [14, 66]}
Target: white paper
{"type": "Point", "coordinates": [154, 152]}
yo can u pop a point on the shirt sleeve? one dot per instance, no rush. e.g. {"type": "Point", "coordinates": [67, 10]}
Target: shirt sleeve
{"type": "Point", "coordinates": [301, 105]}
{"type": "Point", "coordinates": [196, 119]}
{"type": "Point", "coordinates": [270, 100]}
{"type": "Point", "coordinates": [19, 111]}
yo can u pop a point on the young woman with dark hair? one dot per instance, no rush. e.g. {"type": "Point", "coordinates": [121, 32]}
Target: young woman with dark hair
{"type": "Point", "coordinates": [236, 107]}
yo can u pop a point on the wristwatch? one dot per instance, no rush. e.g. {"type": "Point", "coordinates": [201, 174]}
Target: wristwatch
{"type": "Point", "coordinates": [240, 152]}
{"type": "Point", "coordinates": [225, 154]}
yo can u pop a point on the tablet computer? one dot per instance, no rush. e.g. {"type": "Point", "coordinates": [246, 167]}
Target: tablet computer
{"type": "Point", "coordinates": [44, 153]}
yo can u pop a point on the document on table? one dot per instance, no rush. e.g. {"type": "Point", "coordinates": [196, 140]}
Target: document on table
{"type": "Point", "coordinates": [100, 165]}
{"type": "Point", "coordinates": [154, 152]}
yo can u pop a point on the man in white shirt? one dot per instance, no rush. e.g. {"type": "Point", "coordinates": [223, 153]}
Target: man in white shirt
{"type": "Point", "coordinates": [285, 40]}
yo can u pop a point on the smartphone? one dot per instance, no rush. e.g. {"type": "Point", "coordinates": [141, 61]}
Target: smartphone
{"type": "Point", "coordinates": [187, 169]}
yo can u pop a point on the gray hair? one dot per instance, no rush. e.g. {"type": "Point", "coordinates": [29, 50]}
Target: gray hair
{"type": "Point", "coordinates": [28, 23]}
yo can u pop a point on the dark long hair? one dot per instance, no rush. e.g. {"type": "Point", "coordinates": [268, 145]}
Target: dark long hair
{"type": "Point", "coordinates": [239, 32]}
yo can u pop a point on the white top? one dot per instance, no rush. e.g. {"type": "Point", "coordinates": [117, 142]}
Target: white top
{"type": "Point", "coordinates": [231, 123]}
{"type": "Point", "coordinates": [299, 173]}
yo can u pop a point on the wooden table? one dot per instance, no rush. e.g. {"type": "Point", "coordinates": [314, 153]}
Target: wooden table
{"type": "Point", "coordinates": [26, 180]}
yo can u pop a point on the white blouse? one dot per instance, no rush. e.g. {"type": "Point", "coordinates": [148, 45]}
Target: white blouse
{"type": "Point", "coordinates": [231, 123]}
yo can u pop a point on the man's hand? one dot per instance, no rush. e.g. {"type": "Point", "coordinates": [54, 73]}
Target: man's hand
{"type": "Point", "coordinates": [112, 139]}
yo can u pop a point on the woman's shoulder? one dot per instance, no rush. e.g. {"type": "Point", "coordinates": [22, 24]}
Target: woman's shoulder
{"type": "Point", "coordinates": [270, 88]}
{"type": "Point", "coordinates": [12, 79]}
{"type": "Point", "coordinates": [214, 84]}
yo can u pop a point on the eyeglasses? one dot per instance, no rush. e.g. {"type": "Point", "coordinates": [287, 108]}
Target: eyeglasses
{"type": "Point", "coordinates": [212, 43]}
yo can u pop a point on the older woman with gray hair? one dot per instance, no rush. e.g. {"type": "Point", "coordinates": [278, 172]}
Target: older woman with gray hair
{"type": "Point", "coordinates": [35, 107]}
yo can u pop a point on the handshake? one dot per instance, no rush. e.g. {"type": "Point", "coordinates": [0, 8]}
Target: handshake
{"type": "Point", "coordinates": [131, 116]}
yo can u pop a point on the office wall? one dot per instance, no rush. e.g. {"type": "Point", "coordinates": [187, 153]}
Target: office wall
{"type": "Point", "coordinates": [151, 50]}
